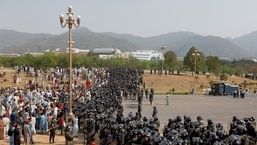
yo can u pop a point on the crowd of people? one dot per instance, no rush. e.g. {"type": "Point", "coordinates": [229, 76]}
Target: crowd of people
{"type": "Point", "coordinates": [98, 112]}
{"type": "Point", "coordinates": [44, 107]}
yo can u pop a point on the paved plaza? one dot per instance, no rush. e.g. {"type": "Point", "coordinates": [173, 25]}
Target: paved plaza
{"type": "Point", "coordinates": [220, 109]}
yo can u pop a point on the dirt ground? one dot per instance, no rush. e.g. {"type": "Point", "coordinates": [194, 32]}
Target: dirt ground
{"type": "Point", "coordinates": [41, 139]}
{"type": "Point", "coordinates": [185, 82]}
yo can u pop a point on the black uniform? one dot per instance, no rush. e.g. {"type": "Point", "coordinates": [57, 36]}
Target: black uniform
{"type": "Point", "coordinates": [52, 127]}
{"type": "Point", "coordinates": [151, 98]}
{"type": "Point", "coordinates": [69, 135]}
{"type": "Point", "coordinates": [17, 136]}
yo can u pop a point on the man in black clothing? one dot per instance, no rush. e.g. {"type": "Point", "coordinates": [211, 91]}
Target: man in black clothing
{"type": "Point", "coordinates": [154, 112]}
{"type": "Point", "coordinates": [139, 111]}
{"type": "Point", "coordinates": [16, 134]}
{"type": "Point", "coordinates": [152, 91]}
{"type": "Point", "coordinates": [146, 93]}
{"type": "Point", "coordinates": [52, 128]}
{"type": "Point", "coordinates": [151, 98]}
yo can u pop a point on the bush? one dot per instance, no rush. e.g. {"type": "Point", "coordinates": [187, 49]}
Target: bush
{"type": "Point", "coordinates": [223, 77]}
{"type": "Point", "coordinates": [211, 82]}
{"type": "Point", "coordinates": [173, 90]}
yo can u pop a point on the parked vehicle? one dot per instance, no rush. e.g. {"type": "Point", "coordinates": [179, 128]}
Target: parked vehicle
{"type": "Point", "coordinates": [221, 88]}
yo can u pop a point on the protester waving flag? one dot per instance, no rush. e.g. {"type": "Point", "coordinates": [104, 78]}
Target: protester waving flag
{"type": "Point", "coordinates": [87, 81]}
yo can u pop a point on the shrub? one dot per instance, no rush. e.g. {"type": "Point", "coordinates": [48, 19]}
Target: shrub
{"type": "Point", "coordinates": [223, 77]}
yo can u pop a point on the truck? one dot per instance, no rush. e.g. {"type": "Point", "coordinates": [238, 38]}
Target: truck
{"type": "Point", "coordinates": [220, 88]}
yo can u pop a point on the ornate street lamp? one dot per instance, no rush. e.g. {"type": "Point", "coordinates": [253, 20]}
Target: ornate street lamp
{"type": "Point", "coordinates": [162, 47]}
{"type": "Point", "coordinates": [195, 55]}
{"type": "Point", "coordinates": [70, 22]}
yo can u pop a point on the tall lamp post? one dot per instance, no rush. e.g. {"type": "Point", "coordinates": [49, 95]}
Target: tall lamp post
{"type": "Point", "coordinates": [162, 47]}
{"type": "Point", "coordinates": [70, 22]}
{"type": "Point", "coordinates": [195, 55]}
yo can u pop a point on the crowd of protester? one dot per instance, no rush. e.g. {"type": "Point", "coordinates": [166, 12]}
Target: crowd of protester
{"type": "Point", "coordinates": [42, 106]}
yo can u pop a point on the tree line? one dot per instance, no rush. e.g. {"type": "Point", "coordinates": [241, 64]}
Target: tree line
{"type": "Point", "coordinates": [193, 61]}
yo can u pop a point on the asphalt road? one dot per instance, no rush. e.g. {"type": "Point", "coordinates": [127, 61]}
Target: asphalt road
{"type": "Point", "coordinates": [220, 109]}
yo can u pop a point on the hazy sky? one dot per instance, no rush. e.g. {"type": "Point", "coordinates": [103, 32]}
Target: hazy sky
{"type": "Point", "coordinates": [225, 18]}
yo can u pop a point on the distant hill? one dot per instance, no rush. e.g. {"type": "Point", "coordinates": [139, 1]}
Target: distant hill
{"type": "Point", "coordinates": [247, 42]}
{"type": "Point", "coordinates": [171, 40]}
{"type": "Point", "coordinates": [212, 45]}
{"type": "Point", "coordinates": [180, 42]}
{"type": "Point", "coordinates": [84, 39]}
{"type": "Point", "coordinates": [12, 39]}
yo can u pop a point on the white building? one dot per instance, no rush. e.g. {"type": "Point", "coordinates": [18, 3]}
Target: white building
{"type": "Point", "coordinates": [9, 54]}
{"type": "Point", "coordinates": [35, 53]}
{"type": "Point", "coordinates": [146, 55]}
{"type": "Point", "coordinates": [105, 53]}
{"type": "Point", "coordinates": [77, 50]}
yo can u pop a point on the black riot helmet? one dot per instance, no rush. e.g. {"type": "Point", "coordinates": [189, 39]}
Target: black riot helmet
{"type": "Point", "coordinates": [148, 134]}
{"type": "Point", "coordinates": [178, 118]}
{"type": "Point", "coordinates": [236, 142]}
{"type": "Point", "coordinates": [210, 122]}
{"type": "Point", "coordinates": [145, 119]}
{"type": "Point", "coordinates": [170, 120]}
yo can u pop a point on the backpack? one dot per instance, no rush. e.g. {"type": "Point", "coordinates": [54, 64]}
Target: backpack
{"type": "Point", "coordinates": [10, 131]}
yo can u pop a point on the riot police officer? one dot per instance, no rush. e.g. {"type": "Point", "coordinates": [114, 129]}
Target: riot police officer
{"type": "Point", "coordinates": [151, 98]}
{"type": "Point", "coordinates": [147, 140]}
{"type": "Point", "coordinates": [69, 133]}
{"type": "Point", "coordinates": [155, 111]}
{"type": "Point", "coordinates": [146, 93]}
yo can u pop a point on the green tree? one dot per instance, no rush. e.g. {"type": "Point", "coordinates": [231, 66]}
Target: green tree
{"type": "Point", "coordinates": [63, 60]}
{"type": "Point", "coordinates": [6, 61]}
{"type": "Point", "coordinates": [213, 64]}
{"type": "Point", "coordinates": [78, 60]}
{"type": "Point", "coordinates": [29, 60]}
{"type": "Point", "coordinates": [193, 56]}
{"type": "Point", "coordinates": [145, 64]}
{"type": "Point", "coordinates": [114, 62]}
{"type": "Point", "coordinates": [49, 59]}
{"type": "Point", "coordinates": [227, 70]}
{"type": "Point", "coordinates": [154, 64]}
{"type": "Point", "coordinates": [170, 59]}
{"type": "Point", "coordinates": [134, 63]}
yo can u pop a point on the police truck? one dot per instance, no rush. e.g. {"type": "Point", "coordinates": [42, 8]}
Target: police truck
{"type": "Point", "coordinates": [220, 89]}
